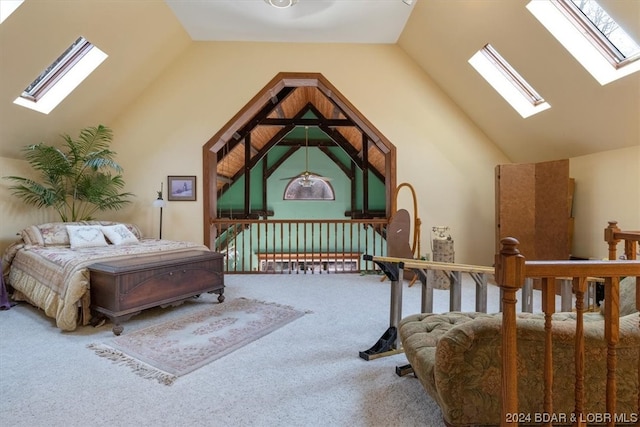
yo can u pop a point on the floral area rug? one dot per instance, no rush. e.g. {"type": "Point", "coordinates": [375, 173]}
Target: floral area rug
{"type": "Point", "coordinates": [174, 348]}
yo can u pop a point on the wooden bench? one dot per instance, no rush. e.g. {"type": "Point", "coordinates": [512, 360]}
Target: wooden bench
{"type": "Point", "coordinates": [123, 288]}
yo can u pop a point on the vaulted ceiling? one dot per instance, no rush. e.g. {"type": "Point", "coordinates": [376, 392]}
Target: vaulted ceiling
{"type": "Point", "coordinates": [273, 124]}
{"type": "Point", "coordinates": [439, 35]}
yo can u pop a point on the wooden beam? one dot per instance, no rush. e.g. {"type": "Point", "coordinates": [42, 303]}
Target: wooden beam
{"type": "Point", "coordinates": [247, 175]}
{"type": "Point", "coordinates": [264, 182]}
{"type": "Point", "coordinates": [307, 122]}
{"type": "Point", "coordinates": [365, 174]}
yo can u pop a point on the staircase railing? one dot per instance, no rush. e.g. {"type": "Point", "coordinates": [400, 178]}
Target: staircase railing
{"type": "Point", "coordinates": [511, 271]}
{"type": "Point", "coordinates": [298, 246]}
{"type": "Point", "coordinates": [614, 235]}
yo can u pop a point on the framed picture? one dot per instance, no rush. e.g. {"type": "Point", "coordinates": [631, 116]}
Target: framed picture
{"type": "Point", "coordinates": [182, 188]}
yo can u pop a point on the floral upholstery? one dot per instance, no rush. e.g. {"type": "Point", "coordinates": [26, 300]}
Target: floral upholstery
{"type": "Point", "coordinates": [456, 357]}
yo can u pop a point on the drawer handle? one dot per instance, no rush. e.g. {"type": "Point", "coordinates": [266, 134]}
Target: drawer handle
{"type": "Point", "coordinates": [171, 273]}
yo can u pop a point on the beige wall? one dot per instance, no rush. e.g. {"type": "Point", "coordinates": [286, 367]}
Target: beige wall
{"type": "Point", "coordinates": [447, 159]}
{"type": "Point", "coordinates": [14, 214]}
{"type": "Point", "coordinates": [607, 188]}
{"type": "Point", "coordinates": [140, 37]}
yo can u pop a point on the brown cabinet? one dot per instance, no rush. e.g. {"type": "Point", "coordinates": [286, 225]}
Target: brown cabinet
{"type": "Point", "coordinates": [123, 288]}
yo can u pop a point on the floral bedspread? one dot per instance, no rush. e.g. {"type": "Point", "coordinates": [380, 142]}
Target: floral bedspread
{"type": "Point", "coordinates": [55, 278]}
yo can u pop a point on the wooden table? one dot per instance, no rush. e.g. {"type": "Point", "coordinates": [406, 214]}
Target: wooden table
{"type": "Point", "coordinates": [123, 288]}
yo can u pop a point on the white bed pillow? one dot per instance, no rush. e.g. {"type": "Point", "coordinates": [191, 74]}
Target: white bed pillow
{"type": "Point", "coordinates": [119, 234]}
{"type": "Point", "coordinates": [85, 236]}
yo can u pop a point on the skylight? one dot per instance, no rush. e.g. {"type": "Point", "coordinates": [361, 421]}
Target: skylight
{"type": "Point", "coordinates": [590, 35]}
{"type": "Point", "coordinates": [7, 7]}
{"type": "Point", "coordinates": [507, 82]}
{"type": "Point", "coordinates": [61, 77]}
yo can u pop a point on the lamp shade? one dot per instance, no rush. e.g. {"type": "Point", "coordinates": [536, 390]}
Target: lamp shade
{"type": "Point", "coordinates": [281, 4]}
{"type": "Point", "coordinates": [159, 203]}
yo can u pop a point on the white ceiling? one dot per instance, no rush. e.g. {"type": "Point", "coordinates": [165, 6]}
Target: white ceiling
{"type": "Point", "coordinates": [308, 21]}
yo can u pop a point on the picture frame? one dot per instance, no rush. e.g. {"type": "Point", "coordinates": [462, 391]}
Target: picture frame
{"type": "Point", "coordinates": [181, 188]}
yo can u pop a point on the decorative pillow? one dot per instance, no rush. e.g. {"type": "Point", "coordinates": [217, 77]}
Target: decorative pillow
{"type": "Point", "coordinates": [119, 234]}
{"type": "Point", "coordinates": [49, 234]}
{"type": "Point", "coordinates": [132, 227]}
{"type": "Point", "coordinates": [32, 236]}
{"type": "Point", "coordinates": [85, 236]}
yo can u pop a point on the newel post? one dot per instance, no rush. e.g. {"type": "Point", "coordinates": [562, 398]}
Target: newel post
{"type": "Point", "coordinates": [510, 278]}
{"type": "Point", "coordinates": [609, 237]}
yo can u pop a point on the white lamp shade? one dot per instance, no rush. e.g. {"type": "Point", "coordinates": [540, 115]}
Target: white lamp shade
{"type": "Point", "coordinates": [281, 4]}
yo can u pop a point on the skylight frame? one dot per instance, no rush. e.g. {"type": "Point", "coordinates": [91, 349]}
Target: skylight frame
{"type": "Point", "coordinates": [508, 82]}
{"type": "Point", "coordinates": [512, 75]}
{"type": "Point", "coordinates": [60, 78]}
{"type": "Point", "coordinates": [606, 47]}
{"type": "Point", "coordinates": [61, 66]}
{"type": "Point", "coordinates": [584, 40]}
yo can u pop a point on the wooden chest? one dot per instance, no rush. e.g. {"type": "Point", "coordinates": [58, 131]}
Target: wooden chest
{"type": "Point", "coordinates": [123, 288]}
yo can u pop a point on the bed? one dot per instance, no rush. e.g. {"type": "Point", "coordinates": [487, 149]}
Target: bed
{"type": "Point", "coordinates": [47, 266]}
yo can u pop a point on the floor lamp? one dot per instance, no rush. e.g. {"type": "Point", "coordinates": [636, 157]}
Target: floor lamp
{"type": "Point", "coordinates": [160, 203]}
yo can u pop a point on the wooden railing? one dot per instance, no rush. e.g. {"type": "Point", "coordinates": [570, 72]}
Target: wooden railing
{"type": "Point", "coordinates": [298, 246]}
{"type": "Point", "coordinates": [511, 271]}
{"type": "Point", "coordinates": [613, 235]}
{"type": "Point", "coordinates": [481, 276]}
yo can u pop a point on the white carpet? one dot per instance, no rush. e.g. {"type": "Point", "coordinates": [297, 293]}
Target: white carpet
{"type": "Point", "coordinates": [306, 373]}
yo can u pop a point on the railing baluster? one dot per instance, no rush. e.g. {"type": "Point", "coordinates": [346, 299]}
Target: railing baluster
{"type": "Point", "coordinates": [548, 307]}
{"type": "Point", "coordinates": [630, 249]}
{"type": "Point", "coordinates": [237, 255]}
{"type": "Point", "coordinates": [281, 251]}
{"type": "Point", "coordinates": [527, 295]}
{"type": "Point", "coordinates": [481, 291]}
{"type": "Point", "coordinates": [289, 247]}
{"type": "Point", "coordinates": [510, 277]}
{"type": "Point", "coordinates": [306, 245]}
{"type": "Point", "coordinates": [269, 226]}
{"type": "Point", "coordinates": [258, 249]}
{"type": "Point", "coordinates": [455, 293]}
{"type": "Point", "coordinates": [611, 335]}
{"type": "Point", "coordinates": [298, 247]}
{"type": "Point", "coordinates": [359, 237]}
{"type": "Point", "coordinates": [579, 285]}
{"type": "Point", "coordinates": [314, 249]}
{"type": "Point", "coordinates": [335, 243]}
{"type": "Point", "coordinates": [316, 245]}
{"type": "Point", "coordinates": [344, 233]}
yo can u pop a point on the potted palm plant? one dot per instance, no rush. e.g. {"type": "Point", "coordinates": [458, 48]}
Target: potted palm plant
{"type": "Point", "coordinates": [76, 180]}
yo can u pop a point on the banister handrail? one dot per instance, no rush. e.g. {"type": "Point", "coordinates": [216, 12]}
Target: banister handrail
{"type": "Point", "coordinates": [435, 265]}
{"type": "Point", "coordinates": [382, 221]}
{"type": "Point", "coordinates": [612, 268]}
